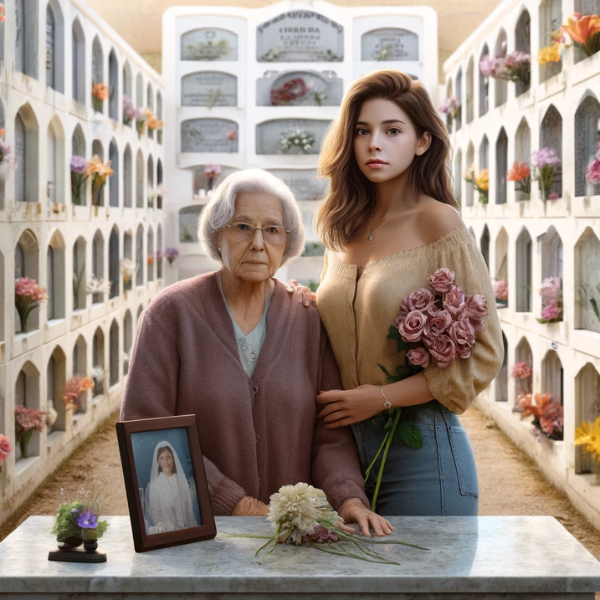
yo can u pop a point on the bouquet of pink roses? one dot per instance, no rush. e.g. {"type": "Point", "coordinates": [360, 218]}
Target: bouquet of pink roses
{"type": "Point", "coordinates": [434, 326]}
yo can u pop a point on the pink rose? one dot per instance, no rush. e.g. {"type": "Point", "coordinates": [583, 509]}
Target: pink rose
{"type": "Point", "coordinates": [419, 357]}
{"type": "Point", "coordinates": [551, 312]}
{"type": "Point", "coordinates": [521, 370]}
{"type": "Point", "coordinates": [404, 310]}
{"type": "Point", "coordinates": [477, 306]}
{"type": "Point", "coordinates": [463, 336]}
{"type": "Point", "coordinates": [420, 299]}
{"type": "Point", "coordinates": [4, 447]}
{"type": "Point", "coordinates": [433, 310]}
{"type": "Point", "coordinates": [411, 328]}
{"type": "Point", "coordinates": [441, 281]}
{"type": "Point", "coordinates": [443, 350]}
{"type": "Point", "coordinates": [437, 325]}
{"type": "Point", "coordinates": [454, 301]}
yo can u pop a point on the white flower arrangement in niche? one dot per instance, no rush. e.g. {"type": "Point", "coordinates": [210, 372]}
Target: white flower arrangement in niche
{"type": "Point", "coordinates": [297, 138]}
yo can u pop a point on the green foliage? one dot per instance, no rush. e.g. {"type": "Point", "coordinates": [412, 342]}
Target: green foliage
{"type": "Point", "coordinates": [66, 525]}
{"type": "Point", "coordinates": [407, 434]}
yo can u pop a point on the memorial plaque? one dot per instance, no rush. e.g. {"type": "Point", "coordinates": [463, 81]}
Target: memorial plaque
{"type": "Point", "coordinates": [209, 135]}
{"type": "Point", "coordinates": [203, 184]}
{"type": "Point", "coordinates": [300, 36]}
{"type": "Point", "coordinates": [300, 88]}
{"type": "Point", "coordinates": [209, 44]}
{"type": "Point", "coordinates": [390, 43]}
{"type": "Point", "coordinates": [188, 223]}
{"type": "Point", "coordinates": [209, 88]}
{"type": "Point", "coordinates": [303, 182]}
{"type": "Point", "coordinates": [290, 136]}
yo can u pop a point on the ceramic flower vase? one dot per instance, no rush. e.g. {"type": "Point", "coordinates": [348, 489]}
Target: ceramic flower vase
{"type": "Point", "coordinates": [24, 442]}
{"type": "Point", "coordinates": [51, 415]}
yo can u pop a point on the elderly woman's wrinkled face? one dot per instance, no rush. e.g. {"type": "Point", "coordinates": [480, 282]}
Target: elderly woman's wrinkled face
{"type": "Point", "coordinates": [258, 257]}
{"type": "Point", "coordinates": [165, 461]}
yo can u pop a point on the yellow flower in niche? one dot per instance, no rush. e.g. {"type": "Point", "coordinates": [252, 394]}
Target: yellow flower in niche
{"type": "Point", "coordinates": [588, 436]}
{"type": "Point", "coordinates": [549, 54]}
{"type": "Point", "coordinates": [483, 180]}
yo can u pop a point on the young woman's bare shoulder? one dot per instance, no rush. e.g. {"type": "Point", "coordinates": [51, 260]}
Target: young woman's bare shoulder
{"type": "Point", "coordinates": [436, 219]}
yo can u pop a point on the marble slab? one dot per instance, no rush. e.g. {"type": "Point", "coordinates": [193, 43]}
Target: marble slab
{"type": "Point", "coordinates": [484, 557]}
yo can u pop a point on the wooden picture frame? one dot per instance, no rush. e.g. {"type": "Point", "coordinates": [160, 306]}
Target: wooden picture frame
{"type": "Point", "coordinates": [149, 494]}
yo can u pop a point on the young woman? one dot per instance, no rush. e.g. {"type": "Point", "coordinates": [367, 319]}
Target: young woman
{"type": "Point", "coordinates": [389, 220]}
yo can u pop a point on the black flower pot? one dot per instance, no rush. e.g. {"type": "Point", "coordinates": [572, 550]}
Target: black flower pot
{"type": "Point", "coordinates": [69, 542]}
{"type": "Point", "coordinates": [90, 546]}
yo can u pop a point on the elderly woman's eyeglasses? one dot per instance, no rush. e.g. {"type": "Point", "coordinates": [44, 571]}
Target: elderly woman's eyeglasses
{"type": "Point", "coordinates": [274, 234]}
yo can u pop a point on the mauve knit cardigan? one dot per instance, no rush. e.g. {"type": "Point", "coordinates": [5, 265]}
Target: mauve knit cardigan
{"type": "Point", "coordinates": [256, 434]}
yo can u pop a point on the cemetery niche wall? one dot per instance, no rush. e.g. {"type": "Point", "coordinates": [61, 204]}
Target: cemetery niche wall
{"type": "Point", "coordinates": [209, 44]}
{"type": "Point", "coordinates": [209, 88]}
{"type": "Point", "coordinates": [209, 135]}
{"type": "Point", "coordinates": [390, 44]}
{"type": "Point", "coordinates": [290, 136]}
{"type": "Point", "coordinates": [299, 88]}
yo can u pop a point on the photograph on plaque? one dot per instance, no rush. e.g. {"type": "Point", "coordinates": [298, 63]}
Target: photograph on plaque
{"type": "Point", "coordinates": [209, 44]}
{"type": "Point", "coordinates": [290, 136]}
{"type": "Point", "coordinates": [389, 43]}
{"type": "Point", "coordinates": [304, 183]}
{"type": "Point", "coordinates": [209, 88]}
{"type": "Point", "coordinates": [165, 482]}
{"type": "Point", "coordinates": [300, 36]}
{"type": "Point", "coordinates": [209, 135]}
{"type": "Point", "coordinates": [299, 88]}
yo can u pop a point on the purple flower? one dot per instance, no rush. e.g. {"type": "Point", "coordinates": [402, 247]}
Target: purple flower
{"type": "Point", "coordinates": [545, 157]}
{"type": "Point", "coordinates": [487, 66]}
{"type": "Point", "coordinates": [5, 152]}
{"type": "Point", "coordinates": [87, 520]}
{"type": "Point", "coordinates": [171, 254]}
{"type": "Point", "coordinates": [78, 164]}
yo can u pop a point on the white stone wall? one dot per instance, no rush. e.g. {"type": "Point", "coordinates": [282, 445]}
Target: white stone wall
{"type": "Point", "coordinates": [247, 113]}
{"type": "Point", "coordinates": [510, 221]}
{"type": "Point", "coordinates": [48, 217]}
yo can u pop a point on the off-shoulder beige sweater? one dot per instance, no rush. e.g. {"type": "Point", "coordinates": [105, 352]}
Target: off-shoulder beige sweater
{"type": "Point", "coordinates": [357, 316]}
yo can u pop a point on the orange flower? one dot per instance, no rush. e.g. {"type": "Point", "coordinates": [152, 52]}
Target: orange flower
{"type": "Point", "coordinates": [150, 260]}
{"type": "Point", "coordinates": [2, 15]}
{"type": "Point", "coordinates": [1, 132]}
{"type": "Point", "coordinates": [151, 121]}
{"type": "Point", "coordinates": [86, 384]}
{"type": "Point", "coordinates": [581, 29]}
{"type": "Point", "coordinates": [519, 171]}
{"type": "Point", "coordinates": [100, 91]}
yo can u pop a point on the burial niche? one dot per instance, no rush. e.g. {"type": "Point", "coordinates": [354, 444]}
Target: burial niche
{"type": "Point", "coordinates": [389, 44]}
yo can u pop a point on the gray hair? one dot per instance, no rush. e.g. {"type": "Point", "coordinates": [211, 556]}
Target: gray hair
{"type": "Point", "coordinates": [221, 208]}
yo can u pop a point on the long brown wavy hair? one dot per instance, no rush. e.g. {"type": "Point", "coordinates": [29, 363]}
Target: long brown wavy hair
{"type": "Point", "coordinates": [350, 198]}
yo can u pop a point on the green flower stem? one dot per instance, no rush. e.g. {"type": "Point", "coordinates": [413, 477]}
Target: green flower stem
{"type": "Point", "coordinates": [388, 442]}
{"type": "Point", "coordinates": [368, 471]}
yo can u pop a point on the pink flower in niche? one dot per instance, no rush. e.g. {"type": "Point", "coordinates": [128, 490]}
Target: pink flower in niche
{"type": "Point", "coordinates": [500, 290]}
{"type": "Point", "coordinates": [419, 357]}
{"type": "Point", "coordinates": [551, 312]}
{"type": "Point", "coordinates": [411, 328]}
{"type": "Point", "coordinates": [454, 301]}
{"type": "Point", "coordinates": [443, 350]}
{"type": "Point", "coordinates": [420, 299]}
{"type": "Point", "coordinates": [521, 370]}
{"type": "Point", "coordinates": [437, 325]}
{"type": "Point", "coordinates": [441, 281]}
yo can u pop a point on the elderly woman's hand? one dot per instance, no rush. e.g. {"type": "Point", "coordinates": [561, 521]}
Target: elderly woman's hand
{"type": "Point", "coordinates": [354, 511]}
{"type": "Point", "coordinates": [248, 506]}
{"type": "Point", "coordinates": [305, 295]}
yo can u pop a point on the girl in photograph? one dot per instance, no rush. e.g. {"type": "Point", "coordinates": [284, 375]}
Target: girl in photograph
{"type": "Point", "coordinates": [169, 496]}
{"type": "Point", "coordinates": [389, 221]}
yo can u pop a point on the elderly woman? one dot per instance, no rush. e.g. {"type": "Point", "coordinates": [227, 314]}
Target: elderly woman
{"type": "Point", "coordinates": [239, 352]}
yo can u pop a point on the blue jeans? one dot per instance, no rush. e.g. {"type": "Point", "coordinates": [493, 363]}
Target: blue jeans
{"type": "Point", "coordinates": [439, 479]}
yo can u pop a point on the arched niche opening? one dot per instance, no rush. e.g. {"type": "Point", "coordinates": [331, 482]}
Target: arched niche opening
{"type": "Point", "coordinates": [523, 44]}
{"type": "Point", "coordinates": [127, 340]}
{"type": "Point", "coordinates": [484, 245]}
{"type": "Point", "coordinates": [2, 126]}
{"type": "Point", "coordinates": [55, 163]}
{"type": "Point", "coordinates": [469, 187]}
{"type": "Point", "coordinates": [484, 84]}
{"type": "Point", "coordinates": [98, 196]}
{"type": "Point", "coordinates": [523, 354]}
{"type": "Point", "coordinates": [27, 393]}
{"type": "Point", "coordinates": [552, 254]}
{"type": "Point", "coordinates": [26, 36]}
{"type": "Point", "coordinates": [56, 377]}
{"type": "Point", "coordinates": [55, 277]}
{"type": "Point", "coordinates": [550, 20]}
{"type": "Point", "coordinates": [113, 180]}
{"type": "Point", "coordinates": [458, 119]}
{"type": "Point", "coordinates": [27, 155]}
{"type": "Point", "coordinates": [139, 255]}
{"type": "Point", "coordinates": [127, 178]}
{"type": "Point", "coordinates": [139, 179]}
{"type": "Point", "coordinates": [470, 89]}
{"type": "Point", "coordinates": [2, 300]}
{"type": "Point", "coordinates": [159, 115]}
{"type": "Point", "coordinates": [553, 376]}
{"type": "Point", "coordinates": [501, 381]}
{"type": "Point", "coordinates": [150, 173]}
{"type": "Point", "coordinates": [523, 150]}
{"type": "Point", "coordinates": [78, 62]}
{"type": "Point", "coordinates": [501, 166]}
{"type": "Point", "coordinates": [98, 368]}
{"type": "Point", "coordinates": [113, 262]}
{"type": "Point", "coordinates": [139, 91]}
{"type": "Point", "coordinates": [150, 254]}
{"type": "Point", "coordinates": [113, 86]}
{"type": "Point", "coordinates": [150, 105]}
{"type": "Point", "coordinates": [551, 137]}
{"type": "Point", "coordinates": [97, 61]}
{"type": "Point", "coordinates": [79, 275]}
{"type": "Point", "coordinates": [188, 223]}
{"type": "Point", "coordinates": [27, 265]}
{"type": "Point", "coordinates": [55, 47]}
{"type": "Point", "coordinates": [524, 256]}
{"type": "Point", "coordinates": [501, 268]}
{"type": "Point", "coordinates": [458, 177]}
{"type": "Point", "coordinates": [449, 94]}
{"type": "Point", "coordinates": [501, 85]}
{"type": "Point", "coordinates": [114, 353]}
{"type": "Point", "coordinates": [587, 258]}
{"type": "Point", "coordinates": [159, 184]}
{"type": "Point", "coordinates": [159, 252]}
{"type": "Point", "coordinates": [587, 136]}
{"type": "Point", "coordinates": [80, 370]}
{"type": "Point", "coordinates": [587, 408]}
{"type": "Point", "coordinates": [98, 265]}
{"type": "Point", "coordinates": [484, 153]}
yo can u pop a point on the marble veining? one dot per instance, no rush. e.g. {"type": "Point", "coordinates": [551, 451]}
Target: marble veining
{"type": "Point", "coordinates": [497, 555]}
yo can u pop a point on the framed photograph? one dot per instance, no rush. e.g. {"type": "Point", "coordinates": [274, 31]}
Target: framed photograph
{"type": "Point", "coordinates": [167, 492]}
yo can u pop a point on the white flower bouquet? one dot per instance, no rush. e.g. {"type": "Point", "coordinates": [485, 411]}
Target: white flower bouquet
{"type": "Point", "coordinates": [301, 515]}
